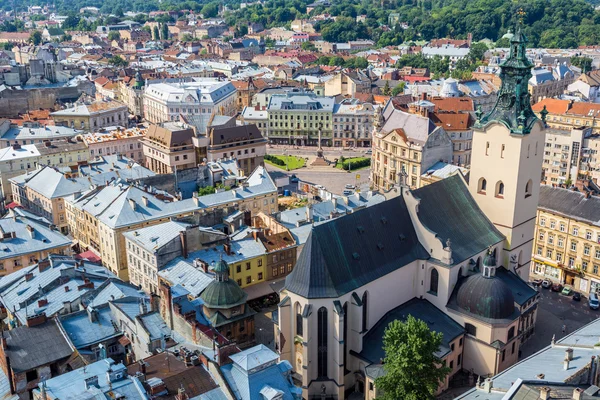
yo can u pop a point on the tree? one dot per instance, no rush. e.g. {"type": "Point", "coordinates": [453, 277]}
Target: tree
{"type": "Point", "coordinates": [398, 89]}
{"type": "Point", "coordinates": [386, 89]}
{"type": "Point", "coordinates": [210, 10]}
{"type": "Point", "coordinates": [186, 37]}
{"type": "Point", "coordinates": [585, 63]}
{"type": "Point", "coordinates": [117, 61]}
{"type": "Point", "coordinates": [114, 35]}
{"type": "Point", "coordinates": [164, 31]}
{"type": "Point", "coordinates": [119, 12]}
{"type": "Point", "coordinates": [412, 370]}
{"type": "Point", "coordinates": [35, 38]}
{"type": "Point", "coordinates": [155, 33]}
{"type": "Point", "coordinates": [308, 46]}
{"type": "Point", "coordinates": [71, 22]}
{"type": "Point", "coordinates": [477, 51]}
{"type": "Point", "coordinates": [66, 37]}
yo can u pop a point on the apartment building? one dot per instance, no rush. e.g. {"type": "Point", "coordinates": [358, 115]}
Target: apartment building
{"type": "Point", "coordinates": [131, 93]}
{"type": "Point", "coordinates": [571, 156]}
{"type": "Point", "coordinates": [45, 189]}
{"type": "Point", "coordinates": [26, 239]}
{"type": "Point", "coordinates": [92, 116]}
{"type": "Point", "coordinates": [19, 159]}
{"type": "Point", "coordinates": [32, 132]}
{"type": "Point", "coordinates": [352, 123]}
{"type": "Point", "coordinates": [567, 239]}
{"type": "Point", "coordinates": [405, 146]}
{"type": "Point", "coordinates": [107, 213]}
{"type": "Point", "coordinates": [300, 118]}
{"type": "Point", "coordinates": [549, 81]}
{"type": "Point", "coordinates": [116, 140]}
{"type": "Point", "coordinates": [168, 146]}
{"type": "Point", "coordinates": [567, 114]}
{"type": "Point", "coordinates": [242, 142]}
{"type": "Point", "coordinates": [166, 101]}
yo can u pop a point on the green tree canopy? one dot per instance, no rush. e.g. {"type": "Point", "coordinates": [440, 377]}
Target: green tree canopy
{"type": "Point", "coordinates": [308, 46]}
{"type": "Point", "coordinates": [210, 10]}
{"type": "Point", "coordinates": [114, 35]}
{"type": "Point", "coordinates": [585, 63]}
{"type": "Point", "coordinates": [117, 61]}
{"type": "Point", "coordinates": [412, 371]}
{"type": "Point", "coordinates": [35, 38]}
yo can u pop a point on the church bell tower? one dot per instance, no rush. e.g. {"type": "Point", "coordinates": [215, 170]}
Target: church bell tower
{"type": "Point", "coordinates": [506, 162]}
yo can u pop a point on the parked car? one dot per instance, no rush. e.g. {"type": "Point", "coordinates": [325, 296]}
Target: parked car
{"type": "Point", "coordinates": [577, 296]}
{"type": "Point", "coordinates": [347, 192]}
{"type": "Point", "coordinates": [546, 284]}
{"type": "Point", "coordinates": [566, 290]}
{"type": "Point", "coordinates": [320, 187]}
{"type": "Point", "coordinates": [350, 186]}
{"type": "Point", "coordinates": [537, 282]}
{"type": "Point", "coordinates": [369, 152]}
{"type": "Point", "coordinates": [594, 303]}
{"type": "Point", "coordinates": [557, 287]}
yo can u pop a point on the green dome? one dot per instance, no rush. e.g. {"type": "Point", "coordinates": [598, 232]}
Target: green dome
{"type": "Point", "coordinates": [489, 260]}
{"type": "Point", "coordinates": [221, 266]}
{"type": "Point", "coordinates": [223, 294]}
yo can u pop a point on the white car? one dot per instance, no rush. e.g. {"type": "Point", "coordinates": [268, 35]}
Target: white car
{"type": "Point", "coordinates": [350, 186]}
{"type": "Point", "coordinates": [347, 192]}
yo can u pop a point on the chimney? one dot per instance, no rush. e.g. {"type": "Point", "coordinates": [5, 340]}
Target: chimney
{"type": "Point", "coordinates": [92, 314]}
{"type": "Point", "coordinates": [227, 248]}
{"type": "Point", "coordinates": [424, 96]}
{"type": "Point", "coordinates": [184, 247]}
{"type": "Point", "coordinates": [566, 363]}
{"type": "Point", "coordinates": [196, 199]}
{"type": "Point", "coordinates": [255, 235]}
{"type": "Point", "coordinates": [28, 276]}
{"type": "Point", "coordinates": [36, 320]}
{"type": "Point", "coordinates": [145, 201]}
{"type": "Point", "coordinates": [487, 385]}
{"type": "Point", "coordinates": [43, 265]}
{"type": "Point", "coordinates": [545, 393]}
{"type": "Point", "coordinates": [142, 367]}
{"type": "Point", "coordinates": [309, 213]}
{"type": "Point", "coordinates": [3, 342]}
{"type": "Point", "coordinates": [577, 393]}
{"type": "Point", "coordinates": [334, 202]}
{"type": "Point", "coordinates": [143, 309]}
{"type": "Point", "coordinates": [66, 288]}
{"type": "Point", "coordinates": [132, 204]}
{"type": "Point", "coordinates": [42, 302]}
{"type": "Point", "coordinates": [91, 382]}
{"type": "Point", "coordinates": [569, 354]}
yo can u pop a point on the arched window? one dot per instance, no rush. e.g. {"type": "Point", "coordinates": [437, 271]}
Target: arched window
{"type": "Point", "coordinates": [499, 189]}
{"type": "Point", "coordinates": [433, 281]}
{"type": "Point", "coordinates": [482, 185]}
{"type": "Point", "coordinates": [511, 333]}
{"type": "Point", "coordinates": [528, 187]}
{"type": "Point", "coordinates": [364, 312]}
{"type": "Point", "coordinates": [299, 328]}
{"type": "Point", "coordinates": [322, 343]}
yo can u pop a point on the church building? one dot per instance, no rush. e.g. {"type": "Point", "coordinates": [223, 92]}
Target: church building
{"type": "Point", "coordinates": [454, 254]}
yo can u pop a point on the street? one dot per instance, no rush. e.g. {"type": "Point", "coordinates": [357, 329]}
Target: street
{"type": "Point", "coordinates": [556, 310]}
{"type": "Point", "coordinates": [333, 179]}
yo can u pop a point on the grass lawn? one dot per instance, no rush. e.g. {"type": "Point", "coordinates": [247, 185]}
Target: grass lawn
{"type": "Point", "coordinates": [293, 162]}
{"type": "Point", "coordinates": [355, 161]}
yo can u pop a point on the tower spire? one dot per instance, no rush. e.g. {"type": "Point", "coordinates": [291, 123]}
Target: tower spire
{"type": "Point", "coordinates": [513, 106]}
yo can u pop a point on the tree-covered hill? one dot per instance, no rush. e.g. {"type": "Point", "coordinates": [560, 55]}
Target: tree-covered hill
{"type": "Point", "coordinates": [548, 23]}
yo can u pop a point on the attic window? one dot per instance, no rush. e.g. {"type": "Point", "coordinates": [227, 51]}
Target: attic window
{"type": "Point", "coordinates": [360, 229]}
{"type": "Point", "coordinates": [380, 246]}
{"type": "Point", "coordinates": [402, 237]}
{"type": "Point", "coordinates": [384, 220]}
{"type": "Point", "coordinates": [356, 256]}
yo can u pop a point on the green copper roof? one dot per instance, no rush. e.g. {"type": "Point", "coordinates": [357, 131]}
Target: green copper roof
{"type": "Point", "coordinates": [513, 106]}
{"type": "Point", "coordinates": [223, 294]}
{"type": "Point", "coordinates": [221, 266]}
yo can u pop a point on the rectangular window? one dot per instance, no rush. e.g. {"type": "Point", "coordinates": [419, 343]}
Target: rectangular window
{"type": "Point", "coordinates": [542, 221]}
{"type": "Point", "coordinates": [553, 225]}
{"type": "Point", "coordinates": [586, 250]}
{"type": "Point", "coordinates": [575, 231]}
{"type": "Point", "coordinates": [248, 280]}
{"type": "Point", "coordinates": [260, 276]}
{"type": "Point", "coordinates": [573, 245]}
{"type": "Point", "coordinates": [247, 266]}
